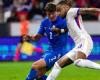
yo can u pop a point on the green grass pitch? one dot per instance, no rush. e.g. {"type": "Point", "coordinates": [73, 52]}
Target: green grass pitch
{"type": "Point", "coordinates": [19, 70]}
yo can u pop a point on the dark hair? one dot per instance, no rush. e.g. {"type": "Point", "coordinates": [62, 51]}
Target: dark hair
{"type": "Point", "coordinates": [50, 7]}
{"type": "Point", "coordinates": [64, 2]}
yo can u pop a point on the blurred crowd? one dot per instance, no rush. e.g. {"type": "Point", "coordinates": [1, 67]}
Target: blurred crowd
{"type": "Point", "coordinates": [14, 10]}
{"type": "Point", "coordinates": [87, 3]}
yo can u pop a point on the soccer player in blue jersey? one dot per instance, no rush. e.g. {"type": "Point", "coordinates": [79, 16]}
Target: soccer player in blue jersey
{"type": "Point", "coordinates": [57, 42]}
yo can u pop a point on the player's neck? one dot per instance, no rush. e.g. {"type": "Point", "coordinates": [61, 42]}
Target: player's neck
{"type": "Point", "coordinates": [54, 19]}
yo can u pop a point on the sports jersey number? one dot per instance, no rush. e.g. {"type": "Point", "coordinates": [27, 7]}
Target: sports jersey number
{"type": "Point", "coordinates": [50, 35]}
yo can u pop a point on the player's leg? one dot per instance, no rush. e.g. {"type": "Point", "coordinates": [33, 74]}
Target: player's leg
{"type": "Point", "coordinates": [81, 61]}
{"type": "Point", "coordinates": [82, 52]}
{"type": "Point", "coordinates": [46, 63]}
{"type": "Point", "coordinates": [62, 62]}
{"type": "Point", "coordinates": [36, 67]}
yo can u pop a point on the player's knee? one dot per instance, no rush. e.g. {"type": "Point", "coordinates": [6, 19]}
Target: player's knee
{"type": "Point", "coordinates": [65, 61]}
{"type": "Point", "coordinates": [35, 66]}
{"type": "Point", "coordinates": [38, 65]}
{"type": "Point", "coordinates": [78, 62]}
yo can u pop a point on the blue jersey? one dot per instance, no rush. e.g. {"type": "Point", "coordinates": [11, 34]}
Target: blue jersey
{"type": "Point", "coordinates": [56, 42]}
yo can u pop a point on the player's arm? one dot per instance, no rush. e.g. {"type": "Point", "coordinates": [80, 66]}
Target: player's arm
{"type": "Point", "coordinates": [61, 30]}
{"type": "Point", "coordinates": [33, 37]}
{"type": "Point", "coordinates": [36, 37]}
{"type": "Point", "coordinates": [39, 34]}
{"type": "Point", "coordinates": [89, 10]}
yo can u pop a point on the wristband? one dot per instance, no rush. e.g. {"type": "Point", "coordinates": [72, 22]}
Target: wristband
{"type": "Point", "coordinates": [62, 30]}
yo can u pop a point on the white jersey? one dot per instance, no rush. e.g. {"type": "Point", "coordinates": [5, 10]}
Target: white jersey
{"type": "Point", "coordinates": [75, 25]}
{"type": "Point", "coordinates": [82, 39]}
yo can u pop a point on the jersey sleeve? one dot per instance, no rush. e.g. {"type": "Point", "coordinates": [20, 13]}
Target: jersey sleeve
{"type": "Point", "coordinates": [73, 12]}
{"type": "Point", "coordinates": [41, 29]}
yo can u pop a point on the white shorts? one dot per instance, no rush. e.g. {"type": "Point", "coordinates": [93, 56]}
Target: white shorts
{"type": "Point", "coordinates": [85, 45]}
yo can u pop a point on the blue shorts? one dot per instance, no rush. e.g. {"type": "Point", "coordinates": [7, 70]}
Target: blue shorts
{"type": "Point", "coordinates": [51, 57]}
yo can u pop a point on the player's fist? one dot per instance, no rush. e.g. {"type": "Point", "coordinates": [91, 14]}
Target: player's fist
{"type": "Point", "coordinates": [56, 30]}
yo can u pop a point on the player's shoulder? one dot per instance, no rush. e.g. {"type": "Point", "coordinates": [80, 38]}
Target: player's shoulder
{"type": "Point", "coordinates": [62, 22]}
{"type": "Point", "coordinates": [46, 19]}
{"type": "Point", "coordinates": [59, 18]}
{"type": "Point", "coordinates": [62, 19]}
{"type": "Point", "coordinates": [72, 10]}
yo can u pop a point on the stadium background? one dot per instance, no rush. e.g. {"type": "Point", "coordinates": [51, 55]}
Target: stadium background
{"type": "Point", "coordinates": [10, 13]}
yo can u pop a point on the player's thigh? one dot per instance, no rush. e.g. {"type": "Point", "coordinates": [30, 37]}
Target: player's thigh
{"type": "Point", "coordinates": [84, 48]}
{"type": "Point", "coordinates": [79, 55]}
{"type": "Point", "coordinates": [81, 50]}
{"type": "Point", "coordinates": [39, 64]}
{"type": "Point", "coordinates": [88, 46]}
{"type": "Point", "coordinates": [76, 54]}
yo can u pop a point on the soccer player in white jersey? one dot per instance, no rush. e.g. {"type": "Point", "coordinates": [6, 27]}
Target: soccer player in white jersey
{"type": "Point", "coordinates": [83, 42]}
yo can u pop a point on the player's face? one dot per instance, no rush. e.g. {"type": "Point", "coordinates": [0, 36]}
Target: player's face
{"type": "Point", "coordinates": [62, 10]}
{"type": "Point", "coordinates": [52, 15]}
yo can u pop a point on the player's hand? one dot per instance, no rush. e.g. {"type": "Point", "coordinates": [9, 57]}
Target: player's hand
{"type": "Point", "coordinates": [56, 30]}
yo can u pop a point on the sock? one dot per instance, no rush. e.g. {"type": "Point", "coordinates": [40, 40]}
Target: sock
{"type": "Point", "coordinates": [86, 63]}
{"type": "Point", "coordinates": [32, 75]}
{"type": "Point", "coordinates": [55, 72]}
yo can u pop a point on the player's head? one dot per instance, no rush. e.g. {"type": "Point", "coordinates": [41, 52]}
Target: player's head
{"type": "Point", "coordinates": [50, 10]}
{"type": "Point", "coordinates": [63, 7]}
